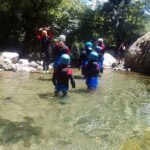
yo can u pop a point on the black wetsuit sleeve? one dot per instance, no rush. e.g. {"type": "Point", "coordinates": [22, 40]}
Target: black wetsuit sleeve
{"type": "Point", "coordinates": [81, 58]}
{"type": "Point", "coordinates": [72, 81]}
{"type": "Point", "coordinates": [54, 79]}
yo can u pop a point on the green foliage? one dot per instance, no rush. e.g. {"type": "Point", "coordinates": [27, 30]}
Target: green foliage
{"type": "Point", "coordinates": [115, 21]}
{"type": "Point", "coordinates": [19, 16]}
{"type": "Point", "coordinates": [23, 17]}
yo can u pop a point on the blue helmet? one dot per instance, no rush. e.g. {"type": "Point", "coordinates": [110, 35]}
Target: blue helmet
{"type": "Point", "coordinates": [88, 45]}
{"type": "Point", "coordinates": [65, 59]}
{"type": "Point", "coordinates": [93, 56]}
{"type": "Point", "coordinates": [98, 48]}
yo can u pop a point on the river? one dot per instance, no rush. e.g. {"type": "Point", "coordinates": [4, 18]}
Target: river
{"type": "Point", "coordinates": [115, 117]}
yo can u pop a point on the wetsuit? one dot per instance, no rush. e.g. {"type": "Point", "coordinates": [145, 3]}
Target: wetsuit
{"type": "Point", "coordinates": [61, 79]}
{"type": "Point", "coordinates": [45, 54]}
{"type": "Point", "coordinates": [83, 60]}
{"type": "Point", "coordinates": [91, 74]}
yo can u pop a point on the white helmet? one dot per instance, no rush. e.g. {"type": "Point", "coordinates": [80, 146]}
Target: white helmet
{"type": "Point", "coordinates": [100, 40]}
{"type": "Point", "coordinates": [62, 38]}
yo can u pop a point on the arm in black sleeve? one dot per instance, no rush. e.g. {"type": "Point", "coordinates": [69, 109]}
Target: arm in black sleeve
{"type": "Point", "coordinates": [54, 79]}
{"type": "Point", "coordinates": [72, 81]}
{"type": "Point", "coordinates": [82, 57]}
{"type": "Point", "coordinates": [80, 61]}
{"type": "Point", "coordinates": [97, 69]}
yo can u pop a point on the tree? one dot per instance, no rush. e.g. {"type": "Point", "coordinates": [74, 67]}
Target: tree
{"type": "Point", "coordinates": [22, 17]}
{"type": "Point", "coordinates": [122, 20]}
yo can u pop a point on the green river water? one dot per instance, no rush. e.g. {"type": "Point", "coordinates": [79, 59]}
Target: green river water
{"type": "Point", "coordinates": [115, 117]}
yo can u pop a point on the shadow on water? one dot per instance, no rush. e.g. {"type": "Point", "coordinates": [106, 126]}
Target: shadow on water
{"type": "Point", "coordinates": [46, 96]}
{"type": "Point", "coordinates": [78, 91]}
{"type": "Point", "coordinates": [41, 72]}
{"type": "Point", "coordinates": [62, 99]}
{"type": "Point", "coordinates": [13, 132]}
{"type": "Point", "coordinates": [78, 77]}
{"type": "Point", "coordinates": [44, 79]}
{"type": "Point", "coordinates": [51, 97]}
{"type": "Point", "coordinates": [6, 98]}
{"type": "Point", "coordinates": [140, 141]}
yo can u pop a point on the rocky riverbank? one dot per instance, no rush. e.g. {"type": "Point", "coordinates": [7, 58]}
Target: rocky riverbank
{"type": "Point", "coordinates": [10, 61]}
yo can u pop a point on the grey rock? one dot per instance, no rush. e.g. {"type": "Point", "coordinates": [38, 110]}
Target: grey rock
{"type": "Point", "coordinates": [138, 55]}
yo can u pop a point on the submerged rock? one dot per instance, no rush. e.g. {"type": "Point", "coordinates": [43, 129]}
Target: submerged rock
{"type": "Point", "coordinates": [138, 55]}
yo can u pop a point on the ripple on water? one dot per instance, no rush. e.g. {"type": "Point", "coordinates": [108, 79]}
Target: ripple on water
{"type": "Point", "coordinates": [114, 117]}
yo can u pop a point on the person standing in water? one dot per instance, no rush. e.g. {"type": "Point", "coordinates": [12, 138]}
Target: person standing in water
{"type": "Point", "coordinates": [62, 75]}
{"type": "Point", "coordinates": [84, 56]}
{"type": "Point", "coordinates": [92, 71]}
{"type": "Point", "coordinates": [45, 40]}
{"type": "Point", "coordinates": [100, 57]}
{"type": "Point", "coordinates": [100, 43]}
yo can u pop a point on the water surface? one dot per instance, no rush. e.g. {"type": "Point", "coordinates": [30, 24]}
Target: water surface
{"type": "Point", "coordinates": [115, 117]}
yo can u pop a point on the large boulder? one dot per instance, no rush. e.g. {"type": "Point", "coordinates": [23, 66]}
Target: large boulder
{"type": "Point", "coordinates": [138, 55]}
{"type": "Point", "coordinates": [23, 62]}
{"type": "Point", "coordinates": [10, 55]}
{"type": "Point", "coordinates": [5, 64]}
{"type": "Point", "coordinates": [109, 60]}
{"type": "Point", "coordinates": [7, 60]}
{"type": "Point", "coordinates": [23, 68]}
{"type": "Point", "coordinates": [23, 65]}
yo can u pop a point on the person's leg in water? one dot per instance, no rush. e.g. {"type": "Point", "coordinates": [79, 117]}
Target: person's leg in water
{"type": "Point", "coordinates": [64, 93]}
{"type": "Point", "coordinates": [47, 65]}
{"type": "Point", "coordinates": [92, 84]}
{"type": "Point", "coordinates": [100, 67]}
{"type": "Point", "coordinates": [101, 64]}
{"type": "Point", "coordinates": [44, 65]}
{"type": "Point", "coordinates": [61, 88]}
{"type": "Point", "coordinates": [56, 93]}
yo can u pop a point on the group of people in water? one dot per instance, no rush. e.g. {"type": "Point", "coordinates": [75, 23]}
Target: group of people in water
{"type": "Point", "coordinates": [90, 61]}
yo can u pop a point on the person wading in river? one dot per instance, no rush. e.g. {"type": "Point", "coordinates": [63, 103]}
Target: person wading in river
{"type": "Point", "coordinates": [62, 75]}
{"type": "Point", "coordinates": [84, 57]}
{"type": "Point", "coordinates": [92, 69]}
{"type": "Point", "coordinates": [100, 43]}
